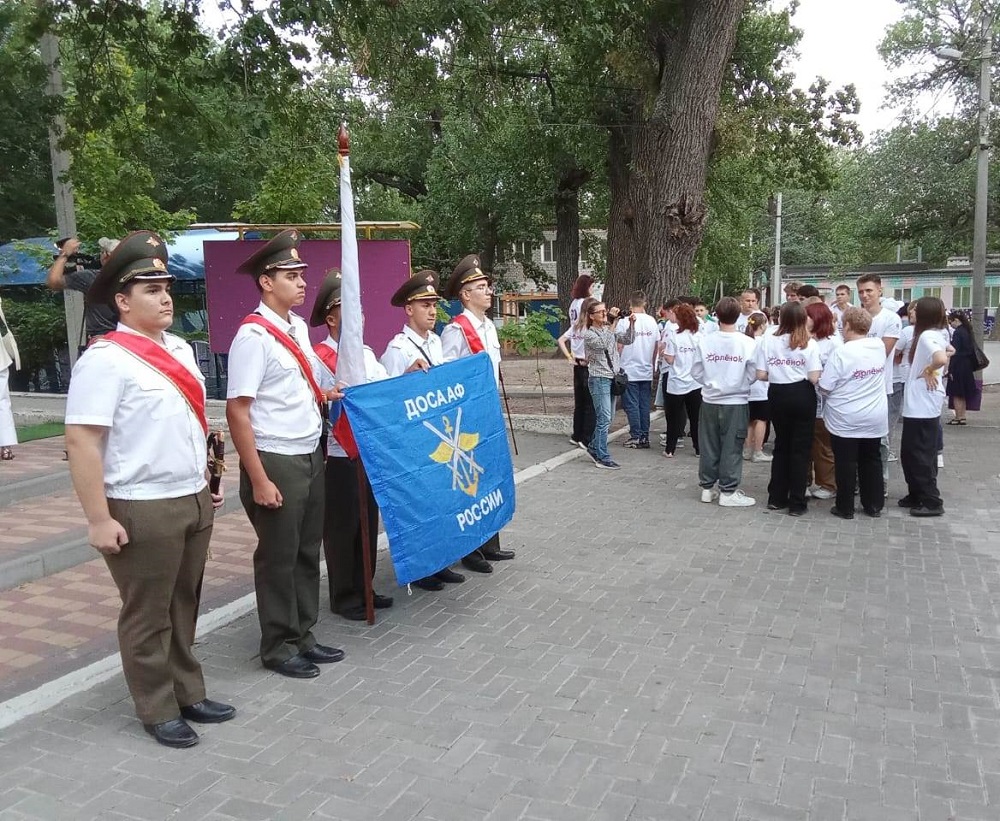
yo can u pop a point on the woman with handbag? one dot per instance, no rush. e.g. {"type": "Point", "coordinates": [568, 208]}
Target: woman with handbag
{"type": "Point", "coordinates": [962, 389]}
{"type": "Point", "coordinates": [601, 345]}
{"type": "Point", "coordinates": [9, 358]}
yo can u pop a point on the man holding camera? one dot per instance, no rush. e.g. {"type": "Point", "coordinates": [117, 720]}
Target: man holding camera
{"type": "Point", "coordinates": [99, 318]}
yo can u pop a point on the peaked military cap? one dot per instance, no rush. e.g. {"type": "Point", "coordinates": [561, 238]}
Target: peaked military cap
{"type": "Point", "coordinates": [422, 285]}
{"type": "Point", "coordinates": [326, 298]}
{"type": "Point", "coordinates": [282, 251]}
{"type": "Point", "coordinates": [141, 255]}
{"type": "Point", "coordinates": [468, 270]}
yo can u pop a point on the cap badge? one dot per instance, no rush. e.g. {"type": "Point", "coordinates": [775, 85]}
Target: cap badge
{"type": "Point", "coordinates": [294, 253]}
{"type": "Point", "coordinates": [295, 236]}
{"type": "Point", "coordinates": [158, 265]}
{"type": "Point", "coordinates": [153, 241]}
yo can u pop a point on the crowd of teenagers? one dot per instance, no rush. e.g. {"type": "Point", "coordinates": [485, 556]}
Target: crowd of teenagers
{"type": "Point", "coordinates": [841, 389]}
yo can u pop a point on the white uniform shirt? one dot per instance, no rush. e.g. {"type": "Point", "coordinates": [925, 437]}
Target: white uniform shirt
{"type": "Point", "coordinates": [284, 414]}
{"type": "Point", "coordinates": [637, 358]}
{"type": "Point", "coordinates": [155, 448]}
{"type": "Point", "coordinates": [455, 345]}
{"type": "Point", "coordinates": [826, 347]}
{"type": "Point", "coordinates": [783, 365]}
{"type": "Point", "coordinates": [327, 379]}
{"type": "Point", "coordinates": [407, 347]}
{"type": "Point", "coordinates": [741, 321]}
{"type": "Point", "coordinates": [725, 367]}
{"type": "Point", "coordinates": [668, 330]}
{"type": "Point", "coordinates": [683, 346]}
{"type": "Point", "coordinates": [886, 324]}
{"type": "Point", "coordinates": [919, 402]}
{"type": "Point", "coordinates": [758, 390]}
{"type": "Point", "coordinates": [853, 382]}
{"type": "Point", "coordinates": [572, 335]}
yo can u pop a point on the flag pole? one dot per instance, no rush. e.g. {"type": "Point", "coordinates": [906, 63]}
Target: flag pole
{"type": "Point", "coordinates": [354, 361]}
{"type": "Point", "coordinates": [510, 419]}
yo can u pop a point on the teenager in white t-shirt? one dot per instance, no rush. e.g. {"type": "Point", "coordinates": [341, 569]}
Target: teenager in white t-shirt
{"type": "Point", "coordinates": [724, 366]}
{"type": "Point", "coordinates": [583, 404]}
{"type": "Point", "coordinates": [638, 361]}
{"type": "Point", "coordinates": [819, 320]}
{"type": "Point", "coordinates": [842, 296]}
{"type": "Point", "coordinates": [789, 361]}
{"type": "Point", "coordinates": [706, 323]}
{"type": "Point", "coordinates": [668, 327]}
{"type": "Point", "coordinates": [682, 394]}
{"type": "Point", "coordinates": [854, 411]}
{"type": "Point", "coordinates": [755, 328]}
{"type": "Point", "coordinates": [923, 399]}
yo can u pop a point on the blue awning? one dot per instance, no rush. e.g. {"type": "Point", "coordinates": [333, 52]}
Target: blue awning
{"type": "Point", "coordinates": [27, 261]}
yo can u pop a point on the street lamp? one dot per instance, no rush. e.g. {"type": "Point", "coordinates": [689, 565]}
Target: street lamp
{"type": "Point", "coordinates": [985, 58]}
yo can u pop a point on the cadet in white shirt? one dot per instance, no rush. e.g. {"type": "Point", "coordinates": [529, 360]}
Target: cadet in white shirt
{"type": "Point", "coordinates": [637, 360]}
{"type": "Point", "coordinates": [922, 403]}
{"type": "Point", "coordinates": [418, 348]}
{"type": "Point", "coordinates": [789, 361]}
{"type": "Point", "coordinates": [275, 413]}
{"type": "Point", "coordinates": [724, 366]}
{"type": "Point", "coordinates": [135, 438]}
{"type": "Point", "coordinates": [472, 332]}
{"type": "Point", "coordinates": [854, 411]}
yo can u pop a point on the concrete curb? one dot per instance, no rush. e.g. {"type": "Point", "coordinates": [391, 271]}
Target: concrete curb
{"type": "Point", "coordinates": [55, 692]}
{"type": "Point", "coordinates": [44, 485]}
{"type": "Point", "coordinates": [45, 562]}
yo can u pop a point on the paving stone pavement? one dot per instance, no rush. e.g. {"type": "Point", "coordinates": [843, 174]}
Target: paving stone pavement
{"type": "Point", "coordinates": [645, 657]}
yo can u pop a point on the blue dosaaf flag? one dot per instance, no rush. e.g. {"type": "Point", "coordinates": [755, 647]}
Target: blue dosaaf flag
{"type": "Point", "coordinates": [435, 450]}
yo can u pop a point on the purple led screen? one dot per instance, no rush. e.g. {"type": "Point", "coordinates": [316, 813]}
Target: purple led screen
{"type": "Point", "coordinates": [384, 264]}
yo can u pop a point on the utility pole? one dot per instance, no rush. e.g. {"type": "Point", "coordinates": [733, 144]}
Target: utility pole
{"type": "Point", "coordinates": [750, 262]}
{"type": "Point", "coordinates": [776, 271]}
{"type": "Point", "coordinates": [982, 177]}
{"type": "Point", "coordinates": [65, 206]}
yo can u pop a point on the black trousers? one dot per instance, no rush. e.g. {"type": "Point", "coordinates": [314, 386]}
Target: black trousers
{"type": "Point", "coordinates": [858, 462]}
{"type": "Point", "coordinates": [918, 456]}
{"type": "Point", "coordinates": [342, 543]}
{"type": "Point", "coordinates": [793, 418]}
{"type": "Point", "coordinates": [681, 407]}
{"type": "Point", "coordinates": [583, 405]}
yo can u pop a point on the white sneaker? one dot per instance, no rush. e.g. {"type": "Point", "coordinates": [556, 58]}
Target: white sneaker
{"type": "Point", "coordinates": [747, 454]}
{"type": "Point", "coordinates": [892, 457]}
{"type": "Point", "coordinates": [709, 495]}
{"type": "Point", "coordinates": [760, 456]}
{"type": "Point", "coordinates": [735, 499]}
{"type": "Point", "coordinates": [940, 460]}
{"type": "Point", "coordinates": [821, 493]}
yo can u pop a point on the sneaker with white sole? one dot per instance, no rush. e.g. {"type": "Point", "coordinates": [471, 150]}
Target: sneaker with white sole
{"type": "Point", "coordinates": [709, 495]}
{"type": "Point", "coordinates": [747, 454]}
{"type": "Point", "coordinates": [760, 456]}
{"type": "Point", "coordinates": [892, 457]}
{"type": "Point", "coordinates": [607, 464]}
{"type": "Point", "coordinates": [736, 499]}
{"type": "Point", "coordinates": [940, 460]}
{"type": "Point", "coordinates": [631, 443]}
{"type": "Point", "coordinates": [821, 493]}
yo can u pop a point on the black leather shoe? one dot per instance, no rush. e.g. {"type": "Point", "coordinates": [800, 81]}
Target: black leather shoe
{"type": "Point", "coordinates": [907, 501]}
{"type": "Point", "coordinates": [796, 511]}
{"type": "Point", "coordinates": [295, 667]}
{"type": "Point", "coordinates": [382, 602]}
{"type": "Point", "coordinates": [775, 506]}
{"type": "Point", "coordinates": [873, 512]}
{"type": "Point", "coordinates": [449, 576]}
{"type": "Point", "coordinates": [497, 555]}
{"type": "Point", "coordinates": [208, 712]}
{"type": "Point", "coordinates": [477, 563]}
{"type": "Point", "coordinates": [357, 613]}
{"type": "Point", "coordinates": [174, 733]}
{"type": "Point", "coordinates": [841, 514]}
{"type": "Point", "coordinates": [430, 583]}
{"type": "Point", "coordinates": [925, 512]}
{"type": "Point", "coordinates": [321, 654]}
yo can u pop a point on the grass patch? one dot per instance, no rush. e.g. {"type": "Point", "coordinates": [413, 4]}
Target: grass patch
{"type": "Point", "coordinates": [44, 430]}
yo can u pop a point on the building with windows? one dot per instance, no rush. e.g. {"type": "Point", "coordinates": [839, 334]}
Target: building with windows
{"type": "Point", "coordinates": [543, 256]}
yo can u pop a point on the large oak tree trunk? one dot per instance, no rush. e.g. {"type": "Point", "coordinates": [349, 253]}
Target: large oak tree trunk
{"type": "Point", "coordinates": [567, 244]}
{"type": "Point", "coordinates": [674, 147]}
{"type": "Point", "coordinates": [624, 248]}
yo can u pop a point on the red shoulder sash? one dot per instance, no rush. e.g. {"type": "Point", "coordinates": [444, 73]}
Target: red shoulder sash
{"type": "Point", "coordinates": [165, 364]}
{"type": "Point", "coordinates": [341, 428]}
{"type": "Point", "coordinates": [471, 337]}
{"type": "Point", "coordinates": [292, 347]}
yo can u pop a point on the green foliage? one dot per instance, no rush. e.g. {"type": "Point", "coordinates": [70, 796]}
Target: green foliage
{"type": "Point", "coordinates": [36, 318]}
{"type": "Point", "coordinates": [530, 334]}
